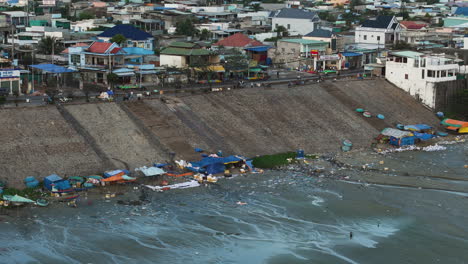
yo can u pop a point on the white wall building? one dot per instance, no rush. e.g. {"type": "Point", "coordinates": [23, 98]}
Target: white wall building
{"type": "Point", "coordinates": [417, 73]}
{"type": "Point", "coordinates": [465, 42]}
{"type": "Point", "coordinates": [296, 21]}
{"type": "Point", "coordinates": [381, 31]}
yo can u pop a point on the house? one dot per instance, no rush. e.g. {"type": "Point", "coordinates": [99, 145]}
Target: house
{"type": "Point", "coordinates": [296, 21]}
{"type": "Point", "coordinates": [96, 61]}
{"type": "Point", "coordinates": [380, 31]}
{"type": "Point", "coordinates": [293, 53]}
{"type": "Point", "coordinates": [17, 18]}
{"type": "Point", "coordinates": [336, 43]}
{"type": "Point", "coordinates": [184, 54]}
{"type": "Point", "coordinates": [418, 73]}
{"type": "Point", "coordinates": [135, 37]}
{"type": "Point", "coordinates": [254, 49]}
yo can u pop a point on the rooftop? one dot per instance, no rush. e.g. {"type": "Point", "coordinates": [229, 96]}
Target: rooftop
{"type": "Point", "coordinates": [238, 40]}
{"type": "Point", "coordinates": [185, 52]}
{"type": "Point", "coordinates": [408, 54]}
{"type": "Point", "coordinates": [304, 41]}
{"type": "Point", "coordinates": [294, 13]}
{"type": "Point", "coordinates": [128, 31]}
{"type": "Point", "coordinates": [378, 22]}
{"type": "Point", "coordinates": [319, 33]}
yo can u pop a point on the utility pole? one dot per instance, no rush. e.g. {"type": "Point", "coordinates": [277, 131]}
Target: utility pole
{"type": "Point", "coordinates": [53, 49]}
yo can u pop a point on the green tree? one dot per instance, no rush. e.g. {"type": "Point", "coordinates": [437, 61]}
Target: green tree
{"type": "Point", "coordinates": [186, 28]}
{"type": "Point", "coordinates": [204, 34]}
{"type": "Point", "coordinates": [49, 45]}
{"type": "Point", "coordinates": [112, 79]}
{"type": "Point", "coordinates": [235, 61]}
{"type": "Point", "coordinates": [86, 15]}
{"type": "Point", "coordinates": [119, 39]}
{"type": "Point", "coordinates": [281, 31]}
{"type": "Point", "coordinates": [401, 45]}
{"type": "Point", "coordinates": [256, 7]}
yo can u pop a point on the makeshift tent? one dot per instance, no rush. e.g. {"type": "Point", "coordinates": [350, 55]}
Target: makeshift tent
{"type": "Point", "coordinates": [391, 132]}
{"type": "Point", "coordinates": [404, 141]}
{"type": "Point", "coordinates": [213, 165]}
{"type": "Point", "coordinates": [423, 136]}
{"type": "Point", "coordinates": [151, 171]}
{"type": "Point", "coordinates": [418, 127]}
{"type": "Point", "coordinates": [17, 199]}
{"type": "Point", "coordinates": [56, 181]}
{"type": "Point", "coordinates": [108, 174]}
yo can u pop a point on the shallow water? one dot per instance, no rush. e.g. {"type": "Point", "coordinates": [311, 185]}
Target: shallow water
{"type": "Point", "coordinates": [288, 218]}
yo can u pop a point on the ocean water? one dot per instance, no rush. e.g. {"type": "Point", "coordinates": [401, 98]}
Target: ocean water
{"type": "Point", "coordinates": [288, 218]}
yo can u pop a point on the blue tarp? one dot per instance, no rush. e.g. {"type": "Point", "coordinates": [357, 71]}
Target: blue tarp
{"type": "Point", "coordinates": [259, 49]}
{"type": "Point", "coordinates": [54, 179]}
{"type": "Point", "coordinates": [423, 136]}
{"type": "Point", "coordinates": [137, 51]}
{"type": "Point", "coordinates": [462, 11]}
{"type": "Point", "coordinates": [51, 68]}
{"type": "Point", "coordinates": [108, 174]}
{"type": "Point", "coordinates": [213, 165]}
{"type": "Point", "coordinates": [417, 127]}
{"type": "Point", "coordinates": [198, 150]}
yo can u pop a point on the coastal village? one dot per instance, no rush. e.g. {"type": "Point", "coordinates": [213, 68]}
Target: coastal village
{"type": "Point", "coordinates": [140, 65]}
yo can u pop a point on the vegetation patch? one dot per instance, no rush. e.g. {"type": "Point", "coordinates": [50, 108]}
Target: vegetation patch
{"type": "Point", "coordinates": [272, 161]}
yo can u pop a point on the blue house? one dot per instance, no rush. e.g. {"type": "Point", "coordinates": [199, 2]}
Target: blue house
{"type": "Point", "coordinates": [135, 37]}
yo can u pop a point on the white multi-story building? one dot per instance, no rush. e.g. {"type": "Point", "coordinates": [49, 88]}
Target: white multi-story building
{"type": "Point", "coordinates": [381, 31]}
{"type": "Point", "coordinates": [417, 73]}
{"type": "Point", "coordinates": [296, 21]}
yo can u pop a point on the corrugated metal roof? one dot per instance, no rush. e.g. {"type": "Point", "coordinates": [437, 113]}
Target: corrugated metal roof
{"type": "Point", "coordinates": [294, 13]}
{"type": "Point", "coordinates": [378, 22]}
{"type": "Point", "coordinates": [304, 41]}
{"type": "Point", "coordinates": [128, 31]}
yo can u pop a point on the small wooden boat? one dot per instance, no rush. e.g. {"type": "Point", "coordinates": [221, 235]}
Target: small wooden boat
{"type": "Point", "coordinates": [345, 148]}
{"type": "Point", "coordinates": [442, 134]}
{"type": "Point", "coordinates": [380, 116]}
{"type": "Point", "coordinates": [360, 110]}
{"type": "Point", "coordinates": [367, 114]}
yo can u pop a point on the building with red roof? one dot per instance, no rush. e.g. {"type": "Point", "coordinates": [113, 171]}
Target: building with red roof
{"type": "Point", "coordinates": [238, 40]}
{"type": "Point", "coordinates": [413, 25]}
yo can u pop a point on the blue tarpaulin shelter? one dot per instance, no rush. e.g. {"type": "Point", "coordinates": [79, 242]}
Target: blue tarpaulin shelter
{"type": "Point", "coordinates": [51, 68]}
{"type": "Point", "coordinates": [423, 136]}
{"type": "Point", "coordinates": [213, 165]}
{"type": "Point", "coordinates": [417, 127]}
{"type": "Point", "coordinates": [57, 181]}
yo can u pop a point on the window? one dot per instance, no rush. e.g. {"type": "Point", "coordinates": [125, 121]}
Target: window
{"type": "Point", "coordinates": [365, 37]}
{"type": "Point", "coordinates": [430, 73]}
{"type": "Point", "coordinates": [293, 50]}
{"type": "Point", "coordinates": [75, 59]}
{"type": "Point", "coordinates": [276, 25]}
{"type": "Point", "coordinates": [443, 74]}
{"type": "Point", "coordinates": [289, 26]}
{"type": "Point", "coordinates": [422, 74]}
{"type": "Point", "coordinates": [378, 38]}
{"type": "Point", "coordinates": [438, 74]}
{"type": "Point", "coordinates": [406, 76]}
{"type": "Point", "coordinates": [450, 74]}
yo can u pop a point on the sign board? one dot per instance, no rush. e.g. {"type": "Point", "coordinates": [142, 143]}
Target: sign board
{"type": "Point", "coordinates": [10, 74]}
{"type": "Point", "coordinates": [329, 57]}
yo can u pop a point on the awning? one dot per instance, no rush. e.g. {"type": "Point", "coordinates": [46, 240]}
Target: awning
{"type": "Point", "coordinates": [351, 54]}
{"type": "Point", "coordinates": [148, 72]}
{"type": "Point", "coordinates": [259, 49]}
{"type": "Point", "coordinates": [213, 68]}
{"type": "Point", "coordinates": [123, 74]}
{"type": "Point", "coordinates": [51, 68]}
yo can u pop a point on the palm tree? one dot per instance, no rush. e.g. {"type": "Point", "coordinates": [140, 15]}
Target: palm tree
{"type": "Point", "coordinates": [49, 45]}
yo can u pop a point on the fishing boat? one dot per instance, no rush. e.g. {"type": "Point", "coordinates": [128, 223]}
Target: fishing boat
{"type": "Point", "coordinates": [42, 202]}
{"type": "Point", "coordinates": [367, 114]}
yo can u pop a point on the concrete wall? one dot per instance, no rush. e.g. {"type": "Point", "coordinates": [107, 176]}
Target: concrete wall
{"type": "Point", "coordinates": [449, 97]}
{"type": "Point", "coordinates": [294, 26]}
{"type": "Point", "coordinates": [86, 139]}
{"type": "Point", "coordinates": [173, 61]}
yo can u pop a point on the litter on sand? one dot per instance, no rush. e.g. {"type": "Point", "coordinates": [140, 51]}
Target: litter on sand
{"type": "Point", "coordinates": [183, 185]}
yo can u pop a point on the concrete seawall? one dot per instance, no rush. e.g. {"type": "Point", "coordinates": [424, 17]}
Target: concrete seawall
{"type": "Point", "coordinates": [89, 138]}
